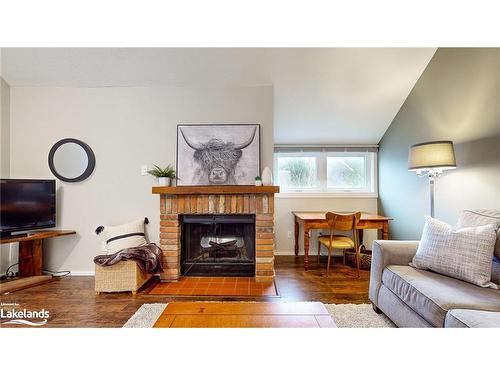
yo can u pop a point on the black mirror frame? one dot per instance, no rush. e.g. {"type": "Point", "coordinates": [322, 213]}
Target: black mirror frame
{"type": "Point", "coordinates": [90, 156]}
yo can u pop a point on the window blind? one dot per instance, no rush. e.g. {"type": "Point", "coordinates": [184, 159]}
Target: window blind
{"type": "Point", "coordinates": [325, 148]}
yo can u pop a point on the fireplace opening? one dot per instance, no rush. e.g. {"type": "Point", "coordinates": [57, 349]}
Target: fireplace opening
{"type": "Point", "coordinates": [218, 245]}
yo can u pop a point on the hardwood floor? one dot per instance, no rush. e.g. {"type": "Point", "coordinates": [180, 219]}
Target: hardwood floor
{"type": "Point", "coordinates": [71, 301]}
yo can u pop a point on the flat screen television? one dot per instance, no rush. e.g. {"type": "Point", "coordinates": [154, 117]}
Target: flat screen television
{"type": "Point", "coordinates": [26, 205]}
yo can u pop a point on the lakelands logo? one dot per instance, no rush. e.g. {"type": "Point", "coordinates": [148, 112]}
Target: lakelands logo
{"type": "Point", "coordinates": [24, 316]}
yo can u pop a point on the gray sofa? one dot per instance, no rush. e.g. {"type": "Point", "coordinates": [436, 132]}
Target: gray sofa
{"type": "Point", "coordinates": [417, 298]}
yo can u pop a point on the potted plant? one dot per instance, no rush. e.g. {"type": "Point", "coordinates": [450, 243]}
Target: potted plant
{"type": "Point", "coordinates": [258, 181]}
{"type": "Point", "coordinates": [164, 175]}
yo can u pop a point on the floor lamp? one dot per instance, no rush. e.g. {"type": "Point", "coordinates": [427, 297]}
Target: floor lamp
{"type": "Point", "coordinates": [431, 159]}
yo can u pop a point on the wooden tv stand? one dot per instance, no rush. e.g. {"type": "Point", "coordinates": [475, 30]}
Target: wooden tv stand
{"type": "Point", "coordinates": [30, 259]}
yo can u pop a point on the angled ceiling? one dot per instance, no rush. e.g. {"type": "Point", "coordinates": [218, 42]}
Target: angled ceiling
{"type": "Point", "coordinates": [321, 95]}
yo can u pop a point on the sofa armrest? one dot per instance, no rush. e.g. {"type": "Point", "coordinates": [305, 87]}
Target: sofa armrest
{"type": "Point", "coordinates": [388, 253]}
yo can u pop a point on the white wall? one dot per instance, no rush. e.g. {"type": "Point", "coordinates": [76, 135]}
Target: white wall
{"type": "Point", "coordinates": [284, 219]}
{"type": "Point", "coordinates": [4, 128]}
{"type": "Point", "coordinates": [8, 253]}
{"type": "Point", "coordinates": [126, 128]}
{"type": "Point", "coordinates": [457, 98]}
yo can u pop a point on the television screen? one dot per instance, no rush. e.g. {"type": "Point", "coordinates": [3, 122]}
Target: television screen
{"type": "Point", "coordinates": [27, 204]}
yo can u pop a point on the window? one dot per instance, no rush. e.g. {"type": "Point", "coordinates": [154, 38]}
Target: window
{"type": "Point", "coordinates": [344, 171]}
{"type": "Point", "coordinates": [298, 172]}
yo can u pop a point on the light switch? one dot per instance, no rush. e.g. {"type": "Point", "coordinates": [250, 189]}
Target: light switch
{"type": "Point", "coordinates": [144, 170]}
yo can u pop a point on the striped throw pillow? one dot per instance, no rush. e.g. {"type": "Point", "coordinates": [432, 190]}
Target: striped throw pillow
{"type": "Point", "coordinates": [123, 236]}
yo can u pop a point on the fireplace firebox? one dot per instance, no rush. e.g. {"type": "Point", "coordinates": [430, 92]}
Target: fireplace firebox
{"type": "Point", "coordinates": [218, 245]}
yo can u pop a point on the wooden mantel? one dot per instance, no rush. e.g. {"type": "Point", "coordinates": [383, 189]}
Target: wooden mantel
{"type": "Point", "coordinates": [219, 189]}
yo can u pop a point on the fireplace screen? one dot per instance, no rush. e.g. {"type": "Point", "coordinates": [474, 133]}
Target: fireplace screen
{"type": "Point", "coordinates": [218, 245]}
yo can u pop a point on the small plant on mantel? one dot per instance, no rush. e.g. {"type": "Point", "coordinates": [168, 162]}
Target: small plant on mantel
{"type": "Point", "coordinates": [258, 181]}
{"type": "Point", "coordinates": [164, 175]}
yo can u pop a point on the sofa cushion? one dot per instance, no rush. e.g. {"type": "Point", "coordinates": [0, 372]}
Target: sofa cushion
{"type": "Point", "coordinates": [431, 295]}
{"type": "Point", "coordinates": [474, 218]}
{"type": "Point", "coordinates": [464, 253]}
{"type": "Point", "coordinates": [472, 319]}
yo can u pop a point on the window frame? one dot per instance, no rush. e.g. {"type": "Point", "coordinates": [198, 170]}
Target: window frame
{"type": "Point", "coordinates": [322, 154]}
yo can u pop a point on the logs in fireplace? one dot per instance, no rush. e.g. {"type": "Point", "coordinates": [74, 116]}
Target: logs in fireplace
{"type": "Point", "coordinates": [218, 245]}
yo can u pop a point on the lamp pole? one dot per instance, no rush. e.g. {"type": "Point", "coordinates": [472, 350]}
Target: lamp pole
{"type": "Point", "coordinates": [431, 186]}
{"type": "Point", "coordinates": [432, 174]}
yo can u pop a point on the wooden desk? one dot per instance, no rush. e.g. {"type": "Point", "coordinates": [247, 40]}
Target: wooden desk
{"type": "Point", "coordinates": [317, 220]}
{"type": "Point", "coordinates": [30, 258]}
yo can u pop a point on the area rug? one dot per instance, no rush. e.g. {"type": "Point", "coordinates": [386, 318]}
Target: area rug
{"type": "Point", "coordinates": [146, 316]}
{"type": "Point", "coordinates": [345, 316]}
{"type": "Point", "coordinates": [239, 287]}
{"type": "Point", "coordinates": [358, 316]}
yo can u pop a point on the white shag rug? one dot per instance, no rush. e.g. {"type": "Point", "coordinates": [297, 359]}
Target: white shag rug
{"type": "Point", "coordinates": [146, 316]}
{"type": "Point", "coordinates": [345, 316]}
{"type": "Point", "coordinates": [358, 316]}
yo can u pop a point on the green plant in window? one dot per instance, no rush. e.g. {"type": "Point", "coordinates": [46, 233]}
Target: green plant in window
{"type": "Point", "coordinates": [346, 172]}
{"type": "Point", "coordinates": [301, 171]}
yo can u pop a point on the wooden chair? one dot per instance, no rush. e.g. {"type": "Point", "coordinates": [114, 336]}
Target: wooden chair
{"type": "Point", "coordinates": [340, 222]}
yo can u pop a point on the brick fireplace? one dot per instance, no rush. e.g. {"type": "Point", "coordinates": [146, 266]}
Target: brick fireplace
{"type": "Point", "coordinates": [176, 202]}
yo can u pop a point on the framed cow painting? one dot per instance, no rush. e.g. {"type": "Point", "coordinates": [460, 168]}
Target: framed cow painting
{"type": "Point", "coordinates": [218, 154]}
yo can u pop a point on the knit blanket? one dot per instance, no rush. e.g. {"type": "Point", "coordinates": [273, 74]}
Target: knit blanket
{"type": "Point", "coordinates": [147, 257]}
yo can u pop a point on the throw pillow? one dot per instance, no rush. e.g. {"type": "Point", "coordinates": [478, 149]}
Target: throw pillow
{"type": "Point", "coordinates": [475, 218]}
{"type": "Point", "coordinates": [464, 253]}
{"type": "Point", "coordinates": [123, 236]}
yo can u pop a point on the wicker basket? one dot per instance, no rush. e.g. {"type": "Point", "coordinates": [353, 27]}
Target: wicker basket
{"type": "Point", "coordinates": [125, 276]}
{"type": "Point", "coordinates": [365, 259]}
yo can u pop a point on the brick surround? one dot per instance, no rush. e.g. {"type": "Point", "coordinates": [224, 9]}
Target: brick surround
{"type": "Point", "coordinates": [218, 200]}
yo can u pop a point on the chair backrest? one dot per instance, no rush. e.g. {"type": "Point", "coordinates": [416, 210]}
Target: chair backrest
{"type": "Point", "coordinates": [342, 221]}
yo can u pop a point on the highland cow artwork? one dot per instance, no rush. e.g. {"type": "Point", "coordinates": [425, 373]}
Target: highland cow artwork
{"type": "Point", "coordinates": [218, 154]}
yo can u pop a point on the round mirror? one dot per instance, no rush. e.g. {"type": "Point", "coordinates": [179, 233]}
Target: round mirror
{"type": "Point", "coordinates": [71, 160]}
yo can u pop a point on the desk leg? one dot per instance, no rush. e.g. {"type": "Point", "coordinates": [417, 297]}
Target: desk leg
{"type": "Point", "coordinates": [385, 231]}
{"type": "Point", "coordinates": [296, 237]}
{"type": "Point", "coordinates": [360, 236]}
{"type": "Point", "coordinates": [30, 258]}
{"type": "Point", "coordinates": [306, 247]}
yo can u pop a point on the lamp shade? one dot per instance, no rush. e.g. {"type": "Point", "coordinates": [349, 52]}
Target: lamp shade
{"type": "Point", "coordinates": [432, 155]}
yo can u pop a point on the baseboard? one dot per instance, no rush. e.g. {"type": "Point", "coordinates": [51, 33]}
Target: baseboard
{"type": "Point", "coordinates": [284, 253]}
{"type": "Point", "coordinates": [83, 273]}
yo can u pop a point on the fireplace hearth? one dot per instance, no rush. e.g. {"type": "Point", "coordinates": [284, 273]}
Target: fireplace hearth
{"type": "Point", "coordinates": [217, 245]}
